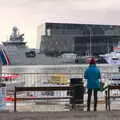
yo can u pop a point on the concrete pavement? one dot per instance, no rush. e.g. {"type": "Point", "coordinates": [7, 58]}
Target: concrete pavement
{"type": "Point", "coordinates": [104, 115]}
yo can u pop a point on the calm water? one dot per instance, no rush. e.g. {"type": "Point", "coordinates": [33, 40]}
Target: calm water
{"type": "Point", "coordinates": [55, 68]}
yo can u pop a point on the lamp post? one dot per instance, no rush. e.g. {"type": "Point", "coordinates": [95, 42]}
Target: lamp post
{"type": "Point", "coordinates": [90, 44]}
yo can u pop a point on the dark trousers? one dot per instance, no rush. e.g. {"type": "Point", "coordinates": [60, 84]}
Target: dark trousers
{"type": "Point", "coordinates": [89, 99]}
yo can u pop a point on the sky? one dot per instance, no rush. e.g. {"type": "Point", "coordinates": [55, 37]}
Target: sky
{"type": "Point", "coordinates": [27, 15]}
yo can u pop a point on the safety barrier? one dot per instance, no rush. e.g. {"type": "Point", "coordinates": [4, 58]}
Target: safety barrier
{"type": "Point", "coordinates": [41, 80]}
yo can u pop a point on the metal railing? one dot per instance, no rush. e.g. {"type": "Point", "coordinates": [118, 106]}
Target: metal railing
{"type": "Point", "coordinates": [52, 89]}
{"type": "Point", "coordinates": [39, 97]}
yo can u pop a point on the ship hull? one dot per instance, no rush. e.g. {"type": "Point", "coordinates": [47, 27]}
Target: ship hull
{"type": "Point", "coordinates": [17, 56]}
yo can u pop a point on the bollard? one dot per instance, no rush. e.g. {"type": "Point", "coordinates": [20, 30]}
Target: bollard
{"type": "Point", "coordinates": [77, 92]}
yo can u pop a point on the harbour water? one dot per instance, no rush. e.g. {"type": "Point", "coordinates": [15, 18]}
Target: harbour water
{"type": "Point", "coordinates": [48, 70]}
{"type": "Point", "coordinates": [69, 68]}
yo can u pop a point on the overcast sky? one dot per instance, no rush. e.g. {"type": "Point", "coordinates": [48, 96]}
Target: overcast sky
{"type": "Point", "coordinates": [27, 15]}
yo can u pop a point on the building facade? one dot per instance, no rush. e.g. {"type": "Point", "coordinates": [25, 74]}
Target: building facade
{"type": "Point", "coordinates": [83, 39]}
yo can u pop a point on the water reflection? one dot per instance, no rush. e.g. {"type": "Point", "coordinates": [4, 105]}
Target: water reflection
{"type": "Point", "coordinates": [43, 69]}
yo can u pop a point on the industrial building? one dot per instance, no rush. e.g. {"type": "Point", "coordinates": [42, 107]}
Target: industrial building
{"type": "Point", "coordinates": [83, 39]}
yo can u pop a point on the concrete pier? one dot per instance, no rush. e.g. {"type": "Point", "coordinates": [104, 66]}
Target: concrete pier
{"type": "Point", "coordinates": [104, 115]}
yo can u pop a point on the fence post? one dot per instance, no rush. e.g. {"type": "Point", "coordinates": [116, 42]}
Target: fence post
{"type": "Point", "coordinates": [109, 99]}
{"type": "Point", "coordinates": [15, 99]}
{"type": "Point", "coordinates": [106, 100]}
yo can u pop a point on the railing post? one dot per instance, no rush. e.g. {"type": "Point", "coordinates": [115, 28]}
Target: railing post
{"type": "Point", "coordinates": [109, 98]}
{"type": "Point", "coordinates": [15, 99]}
{"type": "Point", "coordinates": [106, 100]}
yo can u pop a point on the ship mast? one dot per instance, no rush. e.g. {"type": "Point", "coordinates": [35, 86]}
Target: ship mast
{"type": "Point", "coordinates": [15, 36]}
{"type": "Point", "coordinates": [15, 39]}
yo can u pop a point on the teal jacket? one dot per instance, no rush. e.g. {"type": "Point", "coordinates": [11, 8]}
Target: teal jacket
{"type": "Point", "coordinates": [92, 75]}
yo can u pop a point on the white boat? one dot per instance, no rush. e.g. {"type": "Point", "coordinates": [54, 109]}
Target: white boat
{"type": "Point", "coordinates": [15, 52]}
{"type": "Point", "coordinates": [112, 57]}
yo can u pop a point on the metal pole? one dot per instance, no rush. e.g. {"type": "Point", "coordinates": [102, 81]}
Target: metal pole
{"type": "Point", "coordinates": [90, 44]}
{"type": "Point", "coordinates": [15, 100]}
{"type": "Point", "coordinates": [109, 98]}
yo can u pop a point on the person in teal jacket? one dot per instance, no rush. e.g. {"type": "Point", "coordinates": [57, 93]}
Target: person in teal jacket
{"type": "Point", "coordinates": [92, 75]}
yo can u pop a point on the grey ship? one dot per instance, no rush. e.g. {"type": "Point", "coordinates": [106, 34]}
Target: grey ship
{"type": "Point", "coordinates": [15, 52]}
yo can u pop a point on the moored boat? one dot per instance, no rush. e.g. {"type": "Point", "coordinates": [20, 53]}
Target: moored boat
{"type": "Point", "coordinates": [14, 51]}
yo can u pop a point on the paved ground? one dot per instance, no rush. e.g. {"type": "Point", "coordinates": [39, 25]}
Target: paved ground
{"type": "Point", "coordinates": [55, 106]}
{"type": "Point", "coordinates": [111, 115]}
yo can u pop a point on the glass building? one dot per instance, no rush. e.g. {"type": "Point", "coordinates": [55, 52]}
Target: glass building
{"type": "Point", "coordinates": [83, 39]}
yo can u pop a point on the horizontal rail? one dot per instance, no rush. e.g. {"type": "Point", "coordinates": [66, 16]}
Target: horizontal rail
{"type": "Point", "coordinates": [81, 72]}
{"type": "Point", "coordinates": [114, 96]}
{"type": "Point", "coordinates": [48, 73]}
{"type": "Point", "coordinates": [114, 87]}
{"type": "Point", "coordinates": [43, 98]}
{"type": "Point", "coordinates": [47, 88]}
